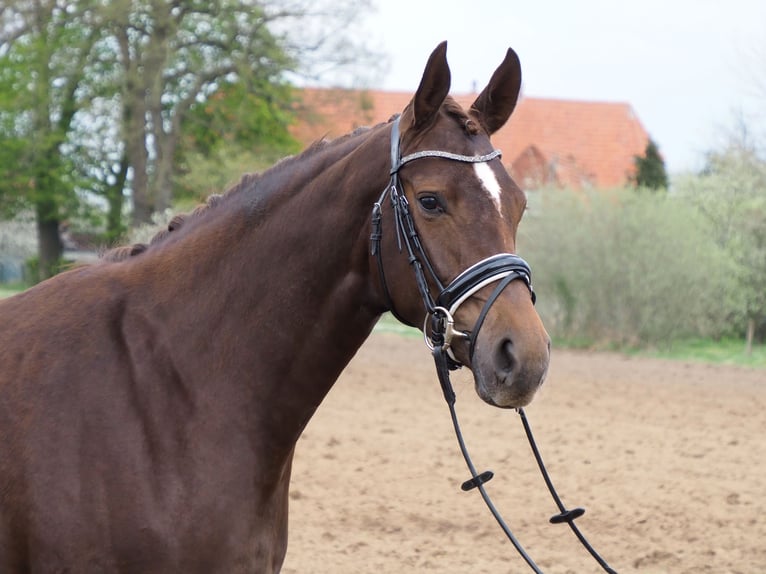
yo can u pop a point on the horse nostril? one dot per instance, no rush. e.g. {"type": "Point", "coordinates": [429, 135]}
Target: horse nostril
{"type": "Point", "coordinates": [505, 358]}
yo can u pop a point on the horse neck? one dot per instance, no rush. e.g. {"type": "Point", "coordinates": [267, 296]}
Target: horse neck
{"type": "Point", "coordinates": [272, 309]}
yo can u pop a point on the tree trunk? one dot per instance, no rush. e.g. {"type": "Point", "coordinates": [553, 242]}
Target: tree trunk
{"type": "Point", "coordinates": [138, 158]}
{"type": "Point", "coordinates": [114, 197]}
{"type": "Point", "coordinates": [164, 171]}
{"type": "Point", "coordinates": [156, 60]}
{"type": "Point", "coordinates": [51, 248]}
{"type": "Point", "coordinates": [749, 337]}
{"type": "Point", "coordinates": [134, 131]}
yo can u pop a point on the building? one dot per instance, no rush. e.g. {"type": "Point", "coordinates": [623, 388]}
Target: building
{"type": "Point", "coordinates": [546, 143]}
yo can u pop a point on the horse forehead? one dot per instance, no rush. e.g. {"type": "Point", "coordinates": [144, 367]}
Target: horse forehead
{"type": "Point", "coordinates": [489, 183]}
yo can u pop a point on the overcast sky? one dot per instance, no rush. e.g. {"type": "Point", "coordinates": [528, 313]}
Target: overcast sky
{"type": "Point", "coordinates": [689, 68]}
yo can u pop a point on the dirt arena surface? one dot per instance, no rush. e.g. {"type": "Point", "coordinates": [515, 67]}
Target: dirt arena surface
{"type": "Point", "coordinates": [668, 458]}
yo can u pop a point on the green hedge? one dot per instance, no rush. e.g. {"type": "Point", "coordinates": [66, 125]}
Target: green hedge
{"type": "Point", "coordinates": [626, 268]}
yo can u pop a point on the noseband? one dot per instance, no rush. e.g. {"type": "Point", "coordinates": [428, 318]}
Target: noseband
{"type": "Point", "coordinates": [502, 269]}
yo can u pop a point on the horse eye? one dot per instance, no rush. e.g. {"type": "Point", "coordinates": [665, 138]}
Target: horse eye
{"type": "Point", "coordinates": [430, 203]}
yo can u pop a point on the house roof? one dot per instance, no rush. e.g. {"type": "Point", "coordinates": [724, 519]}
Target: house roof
{"type": "Point", "coordinates": [547, 142]}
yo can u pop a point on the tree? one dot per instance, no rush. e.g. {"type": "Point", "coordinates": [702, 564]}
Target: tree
{"type": "Point", "coordinates": [731, 193]}
{"type": "Point", "coordinates": [44, 49]}
{"type": "Point", "coordinates": [94, 94]}
{"type": "Point", "coordinates": [174, 55]}
{"type": "Point", "coordinates": [650, 168]}
{"type": "Point", "coordinates": [237, 129]}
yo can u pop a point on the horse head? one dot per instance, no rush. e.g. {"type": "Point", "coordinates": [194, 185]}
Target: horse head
{"type": "Point", "coordinates": [457, 211]}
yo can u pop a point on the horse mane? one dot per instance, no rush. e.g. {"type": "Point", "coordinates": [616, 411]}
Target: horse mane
{"type": "Point", "coordinates": [126, 251]}
{"type": "Point", "coordinates": [247, 181]}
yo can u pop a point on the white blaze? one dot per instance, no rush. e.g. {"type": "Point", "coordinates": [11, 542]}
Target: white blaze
{"type": "Point", "coordinates": [489, 183]}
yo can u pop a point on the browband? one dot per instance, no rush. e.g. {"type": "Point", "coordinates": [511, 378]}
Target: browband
{"type": "Point", "coordinates": [397, 162]}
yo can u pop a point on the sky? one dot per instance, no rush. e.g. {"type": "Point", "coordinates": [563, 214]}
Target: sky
{"type": "Point", "coordinates": [691, 69]}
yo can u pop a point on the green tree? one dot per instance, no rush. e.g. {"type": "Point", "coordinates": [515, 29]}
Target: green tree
{"type": "Point", "coordinates": [731, 193]}
{"type": "Point", "coordinates": [174, 55]}
{"type": "Point", "coordinates": [239, 128]}
{"type": "Point", "coordinates": [650, 168]}
{"type": "Point", "coordinates": [44, 50]}
{"type": "Point", "coordinates": [95, 94]}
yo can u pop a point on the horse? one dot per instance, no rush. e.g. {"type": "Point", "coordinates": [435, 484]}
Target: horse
{"type": "Point", "coordinates": [150, 403]}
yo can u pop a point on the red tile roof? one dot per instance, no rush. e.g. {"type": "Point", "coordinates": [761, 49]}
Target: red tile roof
{"type": "Point", "coordinates": [547, 142]}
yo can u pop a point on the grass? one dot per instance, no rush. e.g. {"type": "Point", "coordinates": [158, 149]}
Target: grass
{"type": "Point", "coordinates": [389, 324]}
{"type": "Point", "coordinates": [728, 352]}
{"type": "Point", "coordinates": [8, 290]}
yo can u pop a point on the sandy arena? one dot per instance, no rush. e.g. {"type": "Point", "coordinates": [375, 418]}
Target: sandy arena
{"type": "Point", "coordinates": [668, 458]}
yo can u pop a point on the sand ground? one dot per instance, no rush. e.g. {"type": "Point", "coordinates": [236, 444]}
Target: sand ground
{"type": "Point", "coordinates": [668, 458]}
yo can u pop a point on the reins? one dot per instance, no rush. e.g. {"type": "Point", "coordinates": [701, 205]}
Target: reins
{"type": "Point", "coordinates": [501, 269]}
{"type": "Point", "coordinates": [478, 480]}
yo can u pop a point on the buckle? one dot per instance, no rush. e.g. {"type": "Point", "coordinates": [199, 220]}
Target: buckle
{"type": "Point", "coordinates": [442, 329]}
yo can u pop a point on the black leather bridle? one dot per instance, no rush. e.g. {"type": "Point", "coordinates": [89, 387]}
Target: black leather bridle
{"type": "Point", "coordinates": [502, 269]}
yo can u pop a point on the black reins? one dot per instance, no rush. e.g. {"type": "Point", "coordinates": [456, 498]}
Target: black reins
{"type": "Point", "coordinates": [477, 480]}
{"type": "Point", "coordinates": [501, 269]}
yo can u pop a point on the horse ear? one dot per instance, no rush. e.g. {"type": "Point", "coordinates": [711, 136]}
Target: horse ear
{"type": "Point", "coordinates": [496, 102]}
{"type": "Point", "coordinates": [434, 87]}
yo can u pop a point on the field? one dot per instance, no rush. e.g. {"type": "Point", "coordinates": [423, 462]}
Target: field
{"type": "Point", "coordinates": [667, 457]}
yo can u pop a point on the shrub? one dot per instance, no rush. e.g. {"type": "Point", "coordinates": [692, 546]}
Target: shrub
{"type": "Point", "coordinates": [625, 269]}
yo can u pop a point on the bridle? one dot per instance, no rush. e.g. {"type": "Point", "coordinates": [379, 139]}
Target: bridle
{"type": "Point", "coordinates": [502, 269]}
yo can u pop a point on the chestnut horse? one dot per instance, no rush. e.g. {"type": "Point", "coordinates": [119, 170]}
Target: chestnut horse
{"type": "Point", "coordinates": [150, 403]}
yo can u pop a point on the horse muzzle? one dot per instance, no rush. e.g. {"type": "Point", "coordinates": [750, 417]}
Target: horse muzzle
{"type": "Point", "coordinates": [508, 373]}
{"type": "Point", "coordinates": [510, 359]}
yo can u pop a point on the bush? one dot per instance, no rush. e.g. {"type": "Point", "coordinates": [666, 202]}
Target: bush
{"type": "Point", "coordinates": [625, 269]}
{"type": "Point", "coordinates": [731, 195]}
